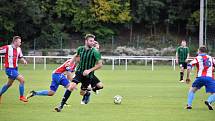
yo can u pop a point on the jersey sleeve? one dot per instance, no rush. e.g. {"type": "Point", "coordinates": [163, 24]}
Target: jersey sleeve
{"type": "Point", "coordinates": [79, 50]}
{"type": "Point", "coordinates": [193, 62]}
{"type": "Point", "coordinates": [3, 49]}
{"type": "Point", "coordinates": [177, 50]}
{"type": "Point", "coordinates": [188, 50]}
{"type": "Point", "coordinates": [213, 62]}
{"type": "Point", "coordinates": [97, 55]}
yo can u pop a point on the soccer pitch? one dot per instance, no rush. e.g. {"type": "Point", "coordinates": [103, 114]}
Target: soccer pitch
{"type": "Point", "coordinates": [147, 96]}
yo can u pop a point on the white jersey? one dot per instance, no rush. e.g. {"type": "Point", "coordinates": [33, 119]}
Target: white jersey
{"type": "Point", "coordinates": [204, 64]}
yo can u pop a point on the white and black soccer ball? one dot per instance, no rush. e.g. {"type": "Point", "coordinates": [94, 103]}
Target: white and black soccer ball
{"type": "Point", "coordinates": [117, 99]}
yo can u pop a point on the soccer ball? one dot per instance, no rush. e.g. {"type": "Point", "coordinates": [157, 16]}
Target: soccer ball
{"type": "Point", "coordinates": [117, 99]}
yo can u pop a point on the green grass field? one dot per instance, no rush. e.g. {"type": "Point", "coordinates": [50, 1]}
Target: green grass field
{"type": "Point", "coordinates": [147, 96]}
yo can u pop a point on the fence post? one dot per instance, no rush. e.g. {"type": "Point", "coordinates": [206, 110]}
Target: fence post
{"type": "Point", "coordinates": [44, 63]}
{"type": "Point", "coordinates": [152, 64]}
{"type": "Point", "coordinates": [126, 64]}
{"type": "Point", "coordinates": [112, 63]}
{"type": "Point", "coordinates": [174, 64]}
{"type": "Point", "coordinates": [1, 62]}
{"type": "Point", "coordinates": [172, 61]}
{"type": "Point", "coordinates": [34, 63]}
{"type": "Point", "coordinates": [146, 62]}
{"type": "Point", "coordinates": [119, 61]}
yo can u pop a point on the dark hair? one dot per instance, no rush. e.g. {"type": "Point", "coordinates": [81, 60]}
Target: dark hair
{"type": "Point", "coordinates": [203, 49]}
{"type": "Point", "coordinates": [15, 38]}
{"type": "Point", "coordinates": [89, 35]}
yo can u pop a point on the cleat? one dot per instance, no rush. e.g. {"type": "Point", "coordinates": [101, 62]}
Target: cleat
{"type": "Point", "coordinates": [86, 98]}
{"type": "Point", "coordinates": [210, 107]}
{"type": "Point", "coordinates": [82, 103]}
{"type": "Point", "coordinates": [23, 99]}
{"type": "Point", "coordinates": [58, 109]}
{"type": "Point", "coordinates": [31, 94]}
{"type": "Point", "coordinates": [188, 107]}
{"type": "Point", "coordinates": [182, 81]}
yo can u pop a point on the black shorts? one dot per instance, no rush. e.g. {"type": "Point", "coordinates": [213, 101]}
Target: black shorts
{"type": "Point", "coordinates": [93, 82]}
{"type": "Point", "coordinates": [84, 80]}
{"type": "Point", "coordinates": [183, 64]}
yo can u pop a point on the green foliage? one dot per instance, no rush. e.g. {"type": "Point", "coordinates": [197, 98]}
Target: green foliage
{"type": "Point", "coordinates": [43, 20]}
{"type": "Point", "coordinates": [113, 11]}
{"type": "Point", "coordinates": [147, 11]}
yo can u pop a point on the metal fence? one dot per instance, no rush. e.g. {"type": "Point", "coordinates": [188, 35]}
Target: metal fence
{"type": "Point", "coordinates": [109, 60]}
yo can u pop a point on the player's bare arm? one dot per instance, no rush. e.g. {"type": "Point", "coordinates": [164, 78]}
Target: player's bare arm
{"type": "Point", "coordinates": [176, 57]}
{"type": "Point", "coordinates": [96, 67]}
{"type": "Point", "coordinates": [23, 60]}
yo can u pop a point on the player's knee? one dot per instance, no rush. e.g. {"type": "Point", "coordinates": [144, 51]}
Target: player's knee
{"type": "Point", "coordinates": [100, 86]}
{"type": "Point", "coordinates": [9, 84]}
{"type": "Point", "coordinates": [82, 92]}
{"type": "Point", "coordinates": [20, 78]}
{"type": "Point", "coordinates": [72, 86]}
{"type": "Point", "coordinates": [51, 93]}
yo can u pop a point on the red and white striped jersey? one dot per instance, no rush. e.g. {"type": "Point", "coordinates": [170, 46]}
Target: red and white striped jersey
{"type": "Point", "coordinates": [11, 55]}
{"type": "Point", "coordinates": [64, 67]}
{"type": "Point", "coordinates": [204, 64]}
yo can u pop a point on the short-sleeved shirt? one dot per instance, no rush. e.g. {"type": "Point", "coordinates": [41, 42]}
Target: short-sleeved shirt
{"type": "Point", "coordinates": [11, 55]}
{"type": "Point", "coordinates": [61, 69]}
{"type": "Point", "coordinates": [204, 64]}
{"type": "Point", "coordinates": [182, 53]}
{"type": "Point", "coordinates": [88, 59]}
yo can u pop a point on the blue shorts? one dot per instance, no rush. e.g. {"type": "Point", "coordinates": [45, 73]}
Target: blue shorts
{"type": "Point", "coordinates": [12, 73]}
{"type": "Point", "coordinates": [208, 82]}
{"type": "Point", "coordinates": [58, 79]}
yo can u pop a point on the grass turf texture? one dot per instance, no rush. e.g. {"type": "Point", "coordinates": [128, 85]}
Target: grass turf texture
{"type": "Point", "coordinates": [147, 96]}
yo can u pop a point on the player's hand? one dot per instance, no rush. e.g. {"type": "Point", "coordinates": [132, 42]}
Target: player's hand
{"type": "Point", "coordinates": [86, 72]}
{"type": "Point", "coordinates": [186, 60]}
{"type": "Point", "coordinates": [188, 80]}
{"type": "Point", "coordinates": [25, 62]}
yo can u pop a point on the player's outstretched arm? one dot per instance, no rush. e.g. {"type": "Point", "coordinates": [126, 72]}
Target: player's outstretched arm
{"type": "Point", "coordinates": [23, 60]}
{"type": "Point", "coordinates": [176, 57]}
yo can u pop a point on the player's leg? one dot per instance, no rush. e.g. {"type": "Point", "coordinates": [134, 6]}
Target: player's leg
{"type": "Point", "coordinates": [190, 97]}
{"type": "Point", "coordinates": [182, 72]}
{"type": "Point", "coordinates": [72, 86]}
{"type": "Point", "coordinates": [210, 88]}
{"type": "Point", "coordinates": [12, 74]}
{"type": "Point", "coordinates": [96, 84]}
{"type": "Point", "coordinates": [5, 87]}
{"type": "Point", "coordinates": [85, 92]}
{"type": "Point", "coordinates": [56, 78]}
{"type": "Point", "coordinates": [210, 100]}
{"type": "Point", "coordinates": [21, 80]}
{"type": "Point", "coordinates": [197, 84]}
{"type": "Point", "coordinates": [50, 92]}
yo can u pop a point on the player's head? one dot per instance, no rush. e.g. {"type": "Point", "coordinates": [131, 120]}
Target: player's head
{"type": "Point", "coordinates": [202, 49]}
{"type": "Point", "coordinates": [96, 45]}
{"type": "Point", "coordinates": [89, 40]}
{"type": "Point", "coordinates": [16, 41]}
{"type": "Point", "coordinates": [183, 43]}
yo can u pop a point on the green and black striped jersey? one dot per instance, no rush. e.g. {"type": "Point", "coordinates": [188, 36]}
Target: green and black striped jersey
{"type": "Point", "coordinates": [88, 59]}
{"type": "Point", "coordinates": [182, 53]}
